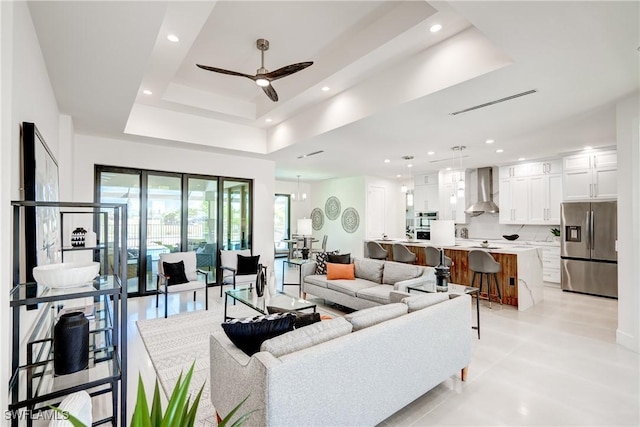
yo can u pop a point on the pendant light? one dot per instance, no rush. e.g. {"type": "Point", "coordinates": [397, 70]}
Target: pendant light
{"type": "Point", "coordinates": [299, 196]}
{"type": "Point", "coordinates": [453, 200]}
{"type": "Point", "coordinates": [461, 183]}
{"type": "Point", "coordinates": [404, 188]}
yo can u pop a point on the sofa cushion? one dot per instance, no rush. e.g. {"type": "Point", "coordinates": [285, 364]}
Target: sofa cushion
{"type": "Point", "coordinates": [248, 334]}
{"type": "Point", "coordinates": [302, 319]}
{"type": "Point", "coordinates": [321, 261]}
{"type": "Point", "coordinates": [340, 271]}
{"type": "Point", "coordinates": [339, 258]}
{"type": "Point", "coordinates": [379, 294]}
{"type": "Point", "coordinates": [318, 280]}
{"type": "Point", "coordinates": [372, 316]}
{"type": "Point", "coordinates": [396, 272]}
{"type": "Point", "coordinates": [349, 287]}
{"type": "Point", "coordinates": [418, 302]}
{"type": "Point", "coordinates": [309, 336]}
{"type": "Point", "coordinates": [369, 269]}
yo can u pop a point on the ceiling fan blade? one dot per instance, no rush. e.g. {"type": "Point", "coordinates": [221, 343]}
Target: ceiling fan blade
{"type": "Point", "coordinates": [271, 93]}
{"type": "Point", "coordinates": [288, 70]}
{"type": "Point", "coordinates": [222, 71]}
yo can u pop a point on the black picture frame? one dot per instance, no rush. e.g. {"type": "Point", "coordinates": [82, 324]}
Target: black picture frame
{"type": "Point", "coordinates": [41, 184]}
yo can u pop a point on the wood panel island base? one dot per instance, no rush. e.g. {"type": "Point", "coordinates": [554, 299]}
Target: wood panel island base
{"type": "Point", "coordinates": [520, 280]}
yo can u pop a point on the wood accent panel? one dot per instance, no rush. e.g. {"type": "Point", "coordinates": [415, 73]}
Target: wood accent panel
{"type": "Point", "coordinates": [460, 273]}
{"type": "Point", "coordinates": [507, 277]}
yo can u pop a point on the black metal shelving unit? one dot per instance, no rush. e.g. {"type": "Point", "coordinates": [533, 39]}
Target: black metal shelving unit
{"type": "Point", "coordinates": [33, 384]}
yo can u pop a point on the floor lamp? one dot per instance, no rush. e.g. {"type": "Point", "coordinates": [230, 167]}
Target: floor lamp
{"type": "Point", "coordinates": [305, 230]}
{"type": "Point", "coordinates": [443, 233]}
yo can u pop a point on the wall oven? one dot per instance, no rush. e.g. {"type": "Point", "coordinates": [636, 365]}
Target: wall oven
{"type": "Point", "coordinates": [423, 224]}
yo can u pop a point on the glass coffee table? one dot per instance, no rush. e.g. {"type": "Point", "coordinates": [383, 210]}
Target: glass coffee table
{"type": "Point", "coordinates": [455, 289]}
{"type": "Point", "coordinates": [250, 298]}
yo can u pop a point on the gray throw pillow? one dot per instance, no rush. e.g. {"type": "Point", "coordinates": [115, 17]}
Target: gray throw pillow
{"type": "Point", "coordinates": [369, 269]}
{"type": "Point", "coordinates": [418, 302]}
{"type": "Point", "coordinates": [395, 272]}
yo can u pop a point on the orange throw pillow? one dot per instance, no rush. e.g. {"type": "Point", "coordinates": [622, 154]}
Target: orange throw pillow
{"type": "Point", "coordinates": [341, 271]}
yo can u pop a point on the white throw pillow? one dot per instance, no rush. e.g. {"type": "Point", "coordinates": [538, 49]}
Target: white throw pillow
{"type": "Point", "coordinates": [419, 302]}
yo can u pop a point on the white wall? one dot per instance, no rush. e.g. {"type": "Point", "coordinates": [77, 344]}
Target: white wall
{"type": "Point", "coordinates": [25, 95]}
{"type": "Point", "coordinates": [352, 193]}
{"type": "Point", "coordinates": [628, 127]}
{"type": "Point", "coordinates": [92, 150]}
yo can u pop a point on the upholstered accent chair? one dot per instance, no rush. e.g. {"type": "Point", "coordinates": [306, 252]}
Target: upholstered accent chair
{"type": "Point", "coordinates": [195, 279]}
{"type": "Point", "coordinates": [230, 273]}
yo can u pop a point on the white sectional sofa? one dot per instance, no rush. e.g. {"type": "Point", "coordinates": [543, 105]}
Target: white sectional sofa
{"type": "Point", "coordinates": [374, 282]}
{"type": "Point", "coordinates": [351, 371]}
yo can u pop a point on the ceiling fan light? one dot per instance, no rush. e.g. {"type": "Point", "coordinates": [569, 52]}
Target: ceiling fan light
{"type": "Point", "coordinates": [262, 82]}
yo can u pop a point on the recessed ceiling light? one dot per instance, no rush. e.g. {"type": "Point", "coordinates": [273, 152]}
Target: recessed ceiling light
{"type": "Point", "coordinates": [268, 120]}
{"type": "Point", "coordinates": [147, 92]}
{"type": "Point", "coordinates": [435, 28]}
{"type": "Point", "coordinates": [398, 176]}
{"type": "Point", "coordinates": [430, 153]}
{"type": "Point", "coordinates": [173, 38]}
{"type": "Point", "coordinates": [588, 147]}
{"type": "Point", "coordinates": [521, 159]}
{"type": "Point", "coordinates": [326, 88]}
{"type": "Point", "coordinates": [409, 165]}
{"type": "Point", "coordinates": [387, 161]}
{"type": "Point", "coordinates": [489, 141]}
{"type": "Point", "coordinates": [449, 168]}
{"type": "Point", "coordinates": [499, 150]}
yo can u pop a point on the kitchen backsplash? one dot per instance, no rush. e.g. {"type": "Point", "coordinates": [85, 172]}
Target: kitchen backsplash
{"type": "Point", "coordinates": [486, 226]}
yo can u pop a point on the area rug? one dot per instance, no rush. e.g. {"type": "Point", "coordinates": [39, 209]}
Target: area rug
{"type": "Point", "coordinates": [174, 344]}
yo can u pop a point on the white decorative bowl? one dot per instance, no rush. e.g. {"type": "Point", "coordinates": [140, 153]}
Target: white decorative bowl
{"type": "Point", "coordinates": [66, 274]}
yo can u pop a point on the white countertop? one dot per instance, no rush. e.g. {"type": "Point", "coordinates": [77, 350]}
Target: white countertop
{"type": "Point", "coordinates": [497, 246]}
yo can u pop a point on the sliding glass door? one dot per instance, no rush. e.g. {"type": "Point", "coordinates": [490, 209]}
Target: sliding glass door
{"type": "Point", "coordinates": [171, 212]}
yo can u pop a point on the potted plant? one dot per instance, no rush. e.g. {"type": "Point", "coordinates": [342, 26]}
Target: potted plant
{"type": "Point", "coordinates": [180, 410]}
{"type": "Point", "coordinates": [556, 234]}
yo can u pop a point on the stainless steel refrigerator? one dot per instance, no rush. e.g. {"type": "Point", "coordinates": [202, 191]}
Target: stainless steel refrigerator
{"type": "Point", "coordinates": [588, 250]}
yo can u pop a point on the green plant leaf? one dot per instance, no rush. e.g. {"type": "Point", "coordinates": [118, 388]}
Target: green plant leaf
{"type": "Point", "coordinates": [140, 416]}
{"type": "Point", "coordinates": [173, 414]}
{"type": "Point", "coordinates": [156, 407]}
{"type": "Point", "coordinates": [73, 420]}
{"type": "Point", "coordinates": [190, 419]}
{"type": "Point", "coordinates": [240, 420]}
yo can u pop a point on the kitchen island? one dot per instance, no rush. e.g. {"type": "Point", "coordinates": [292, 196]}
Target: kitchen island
{"type": "Point", "coordinates": [520, 280]}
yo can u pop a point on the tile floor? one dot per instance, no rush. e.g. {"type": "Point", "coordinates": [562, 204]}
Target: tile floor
{"type": "Point", "coordinates": [555, 364]}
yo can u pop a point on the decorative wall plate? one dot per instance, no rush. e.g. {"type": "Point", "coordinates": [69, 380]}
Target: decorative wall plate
{"type": "Point", "coordinates": [332, 208]}
{"type": "Point", "coordinates": [350, 220]}
{"type": "Point", "coordinates": [317, 218]}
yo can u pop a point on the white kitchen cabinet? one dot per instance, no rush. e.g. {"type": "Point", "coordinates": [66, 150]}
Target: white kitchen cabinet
{"type": "Point", "coordinates": [551, 264]}
{"type": "Point", "coordinates": [545, 196]}
{"type": "Point", "coordinates": [591, 176]}
{"type": "Point", "coordinates": [531, 198]}
{"type": "Point", "coordinates": [426, 193]}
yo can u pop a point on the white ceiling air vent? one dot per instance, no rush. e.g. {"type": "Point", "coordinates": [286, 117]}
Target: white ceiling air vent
{"type": "Point", "coordinates": [497, 101]}
{"type": "Point", "coordinates": [304, 156]}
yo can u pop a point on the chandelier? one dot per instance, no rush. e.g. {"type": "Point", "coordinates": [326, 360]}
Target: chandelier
{"type": "Point", "coordinates": [299, 196]}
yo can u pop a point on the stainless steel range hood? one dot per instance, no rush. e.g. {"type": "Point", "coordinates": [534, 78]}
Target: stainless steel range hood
{"type": "Point", "coordinates": [485, 190]}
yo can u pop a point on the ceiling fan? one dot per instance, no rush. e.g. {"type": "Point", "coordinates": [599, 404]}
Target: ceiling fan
{"type": "Point", "coordinates": [263, 77]}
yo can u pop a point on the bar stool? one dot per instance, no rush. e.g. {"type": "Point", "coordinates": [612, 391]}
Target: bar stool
{"type": "Point", "coordinates": [376, 251]}
{"type": "Point", "coordinates": [402, 254]}
{"type": "Point", "coordinates": [432, 256]}
{"type": "Point", "coordinates": [481, 262]}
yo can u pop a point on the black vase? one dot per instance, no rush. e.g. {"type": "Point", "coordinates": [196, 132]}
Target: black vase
{"type": "Point", "coordinates": [71, 343]}
{"type": "Point", "coordinates": [261, 280]}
